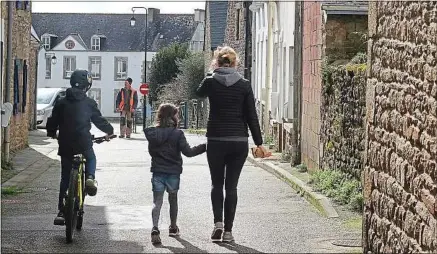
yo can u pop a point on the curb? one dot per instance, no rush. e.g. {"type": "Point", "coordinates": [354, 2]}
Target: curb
{"type": "Point", "coordinates": [319, 201]}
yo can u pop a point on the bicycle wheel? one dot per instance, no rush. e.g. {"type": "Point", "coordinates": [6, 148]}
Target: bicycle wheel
{"type": "Point", "coordinates": [70, 206]}
{"type": "Point", "coordinates": [80, 215]}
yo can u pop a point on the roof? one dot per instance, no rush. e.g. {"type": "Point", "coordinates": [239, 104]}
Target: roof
{"type": "Point", "coordinates": [218, 13]}
{"type": "Point", "coordinates": [345, 7]}
{"type": "Point", "coordinates": [120, 36]}
{"type": "Point", "coordinates": [33, 33]}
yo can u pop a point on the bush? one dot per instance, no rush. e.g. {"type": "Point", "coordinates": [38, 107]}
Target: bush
{"type": "Point", "coordinates": [339, 186]}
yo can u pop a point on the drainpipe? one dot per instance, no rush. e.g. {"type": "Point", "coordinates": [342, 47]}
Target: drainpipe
{"type": "Point", "coordinates": [297, 83]}
{"type": "Point", "coordinates": [269, 70]}
{"type": "Point", "coordinates": [248, 40]}
{"type": "Point", "coordinates": [35, 91]}
{"type": "Point", "coordinates": [8, 78]}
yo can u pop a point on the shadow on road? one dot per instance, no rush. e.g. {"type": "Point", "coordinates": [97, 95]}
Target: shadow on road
{"type": "Point", "coordinates": [188, 247]}
{"type": "Point", "coordinates": [238, 248]}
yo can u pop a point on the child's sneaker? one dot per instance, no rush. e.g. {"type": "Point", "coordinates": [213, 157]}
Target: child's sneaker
{"type": "Point", "coordinates": [91, 186]}
{"type": "Point", "coordinates": [217, 233]}
{"type": "Point", "coordinates": [156, 239]}
{"type": "Point", "coordinates": [227, 237]}
{"type": "Point", "coordinates": [173, 231]}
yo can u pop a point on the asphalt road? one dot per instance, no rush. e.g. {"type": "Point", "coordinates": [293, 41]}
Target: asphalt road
{"type": "Point", "coordinates": [271, 216]}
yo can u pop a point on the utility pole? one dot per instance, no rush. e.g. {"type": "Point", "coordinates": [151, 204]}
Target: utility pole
{"type": "Point", "coordinates": [269, 67]}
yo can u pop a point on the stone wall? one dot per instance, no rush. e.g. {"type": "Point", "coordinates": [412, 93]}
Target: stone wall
{"type": "Point", "coordinates": [312, 83]}
{"type": "Point", "coordinates": [207, 43]}
{"type": "Point", "coordinates": [235, 35]}
{"type": "Point", "coordinates": [400, 175]}
{"type": "Point", "coordinates": [345, 35]}
{"type": "Point", "coordinates": [21, 51]}
{"type": "Point", "coordinates": [343, 114]}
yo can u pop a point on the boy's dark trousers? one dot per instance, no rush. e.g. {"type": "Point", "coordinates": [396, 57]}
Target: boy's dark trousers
{"type": "Point", "coordinates": [66, 167]}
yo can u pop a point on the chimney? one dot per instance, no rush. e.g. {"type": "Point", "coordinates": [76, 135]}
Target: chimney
{"type": "Point", "coordinates": [199, 15]}
{"type": "Point", "coordinates": [152, 15]}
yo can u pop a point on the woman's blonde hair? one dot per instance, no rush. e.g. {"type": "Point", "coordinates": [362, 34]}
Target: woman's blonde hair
{"type": "Point", "coordinates": [224, 57]}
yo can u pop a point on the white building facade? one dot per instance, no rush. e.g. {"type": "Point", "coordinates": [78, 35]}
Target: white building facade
{"type": "Point", "coordinates": [281, 71]}
{"type": "Point", "coordinates": [109, 71]}
{"type": "Point", "coordinates": [109, 48]}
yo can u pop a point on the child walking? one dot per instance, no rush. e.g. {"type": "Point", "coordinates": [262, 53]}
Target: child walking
{"type": "Point", "coordinates": [166, 143]}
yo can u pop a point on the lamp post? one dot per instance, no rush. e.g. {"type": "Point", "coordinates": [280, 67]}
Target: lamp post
{"type": "Point", "coordinates": [132, 24]}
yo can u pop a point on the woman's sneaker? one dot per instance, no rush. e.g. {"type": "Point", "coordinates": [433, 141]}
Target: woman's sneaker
{"type": "Point", "coordinates": [156, 239]}
{"type": "Point", "coordinates": [227, 237]}
{"type": "Point", "coordinates": [217, 233]}
{"type": "Point", "coordinates": [173, 231]}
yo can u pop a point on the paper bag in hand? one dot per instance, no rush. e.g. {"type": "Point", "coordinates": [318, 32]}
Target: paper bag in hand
{"type": "Point", "coordinates": [260, 152]}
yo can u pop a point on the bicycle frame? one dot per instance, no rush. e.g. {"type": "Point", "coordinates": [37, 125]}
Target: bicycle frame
{"type": "Point", "coordinates": [79, 161]}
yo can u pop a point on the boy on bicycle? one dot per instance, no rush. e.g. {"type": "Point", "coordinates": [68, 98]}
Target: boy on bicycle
{"type": "Point", "coordinates": [73, 115]}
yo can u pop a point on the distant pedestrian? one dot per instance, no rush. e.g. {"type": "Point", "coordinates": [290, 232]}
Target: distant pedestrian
{"type": "Point", "coordinates": [232, 110]}
{"type": "Point", "coordinates": [127, 101]}
{"type": "Point", "coordinates": [166, 143]}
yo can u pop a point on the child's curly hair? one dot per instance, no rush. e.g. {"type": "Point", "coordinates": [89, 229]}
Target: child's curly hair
{"type": "Point", "coordinates": [167, 115]}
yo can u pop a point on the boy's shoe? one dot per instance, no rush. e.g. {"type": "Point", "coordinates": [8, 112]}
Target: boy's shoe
{"type": "Point", "coordinates": [91, 186]}
{"type": "Point", "coordinates": [156, 239]}
{"type": "Point", "coordinates": [173, 231]}
{"type": "Point", "coordinates": [121, 136]}
{"type": "Point", "coordinates": [60, 219]}
{"type": "Point", "coordinates": [127, 136]}
{"type": "Point", "coordinates": [217, 233]}
{"type": "Point", "coordinates": [227, 237]}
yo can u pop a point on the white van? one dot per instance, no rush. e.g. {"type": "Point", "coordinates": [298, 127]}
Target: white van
{"type": "Point", "coordinates": [46, 100]}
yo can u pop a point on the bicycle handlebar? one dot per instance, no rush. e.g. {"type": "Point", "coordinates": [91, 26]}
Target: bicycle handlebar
{"type": "Point", "coordinates": [99, 140]}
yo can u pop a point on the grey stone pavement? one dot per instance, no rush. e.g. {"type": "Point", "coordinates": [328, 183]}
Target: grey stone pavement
{"type": "Point", "coordinates": [271, 216]}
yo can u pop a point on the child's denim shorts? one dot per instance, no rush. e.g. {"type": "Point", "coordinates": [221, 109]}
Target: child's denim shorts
{"type": "Point", "coordinates": [165, 182]}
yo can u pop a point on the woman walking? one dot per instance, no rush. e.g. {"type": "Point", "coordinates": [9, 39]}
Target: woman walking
{"type": "Point", "coordinates": [232, 110]}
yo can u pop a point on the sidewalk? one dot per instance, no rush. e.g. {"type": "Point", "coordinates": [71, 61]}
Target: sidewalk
{"type": "Point", "coordinates": [31, 162]}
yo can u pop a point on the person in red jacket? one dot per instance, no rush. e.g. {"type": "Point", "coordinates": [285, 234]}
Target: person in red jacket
{"type": "Point", "coordinates": [127, 100]}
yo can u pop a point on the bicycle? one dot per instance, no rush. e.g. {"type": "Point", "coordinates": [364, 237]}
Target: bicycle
{"type": "Point", "coordinates": [73, 204]}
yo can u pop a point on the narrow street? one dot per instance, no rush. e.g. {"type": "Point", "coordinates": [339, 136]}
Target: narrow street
{"type": "Point", "coordinates": [271, 216]}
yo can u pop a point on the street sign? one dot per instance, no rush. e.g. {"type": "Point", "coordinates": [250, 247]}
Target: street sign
{"type": "Point", "coordinates": [144, 88]}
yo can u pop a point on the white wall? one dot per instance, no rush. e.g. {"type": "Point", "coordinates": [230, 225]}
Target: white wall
{"type": "Point", "coordinates": [106, 84]}
{"type": "Point", "coordinates": [283, 39]}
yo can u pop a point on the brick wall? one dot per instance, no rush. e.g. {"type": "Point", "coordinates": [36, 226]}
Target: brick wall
{"type": "Point", "coordinates": [400, 175]}
{"type": "Point", "coordinates": [235, 31]}
{"type": "Point", "coordinates": [312, 84]}
{"type": "Point", "coordinates": [21, 49]}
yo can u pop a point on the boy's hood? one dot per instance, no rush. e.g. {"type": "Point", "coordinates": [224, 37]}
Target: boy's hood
{"type": "Point", "coordinates": [74, 94]}
{"type": "Point", "coordinates": [157, 136]}
{"type": "Point", "coordinates": [226, 76]}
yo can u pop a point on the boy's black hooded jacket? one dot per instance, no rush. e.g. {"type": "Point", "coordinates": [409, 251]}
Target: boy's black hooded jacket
{"type": "Point", "coordinates": [73, 115]}
{"type": "Point", "coordinates": [165, 148]}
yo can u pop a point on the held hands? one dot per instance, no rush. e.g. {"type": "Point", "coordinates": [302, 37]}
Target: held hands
{"type": "Point", "coordinates": [260, 152]}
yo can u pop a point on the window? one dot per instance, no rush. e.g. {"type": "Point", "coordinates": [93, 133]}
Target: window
{"type": "Point", "coordinates": [22, 5]}
{"type": "Point", "coordinates": [95, 66]}
{"type": "Point", "coordinates": [120, 68]}
{"type": "Point", "coordinates": [237, 25]}
{"type": "Point", "coordinates": [69, 44]}
{"type": "Point", "coordinates": [46, 42]}
{"type": "Point", "coordinates": [69, 66]}
{"type": "Point", "coordinates": [95, 43]}
{"type": "Point", "coordinates": [48, 67]}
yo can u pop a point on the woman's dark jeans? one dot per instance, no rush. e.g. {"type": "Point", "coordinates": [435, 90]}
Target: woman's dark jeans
{"type": "Point", "coordinates": [225, 159]}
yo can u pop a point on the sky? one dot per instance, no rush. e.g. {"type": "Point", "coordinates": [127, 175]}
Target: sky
{"type": "Point", "coordinates": [115, 7]}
